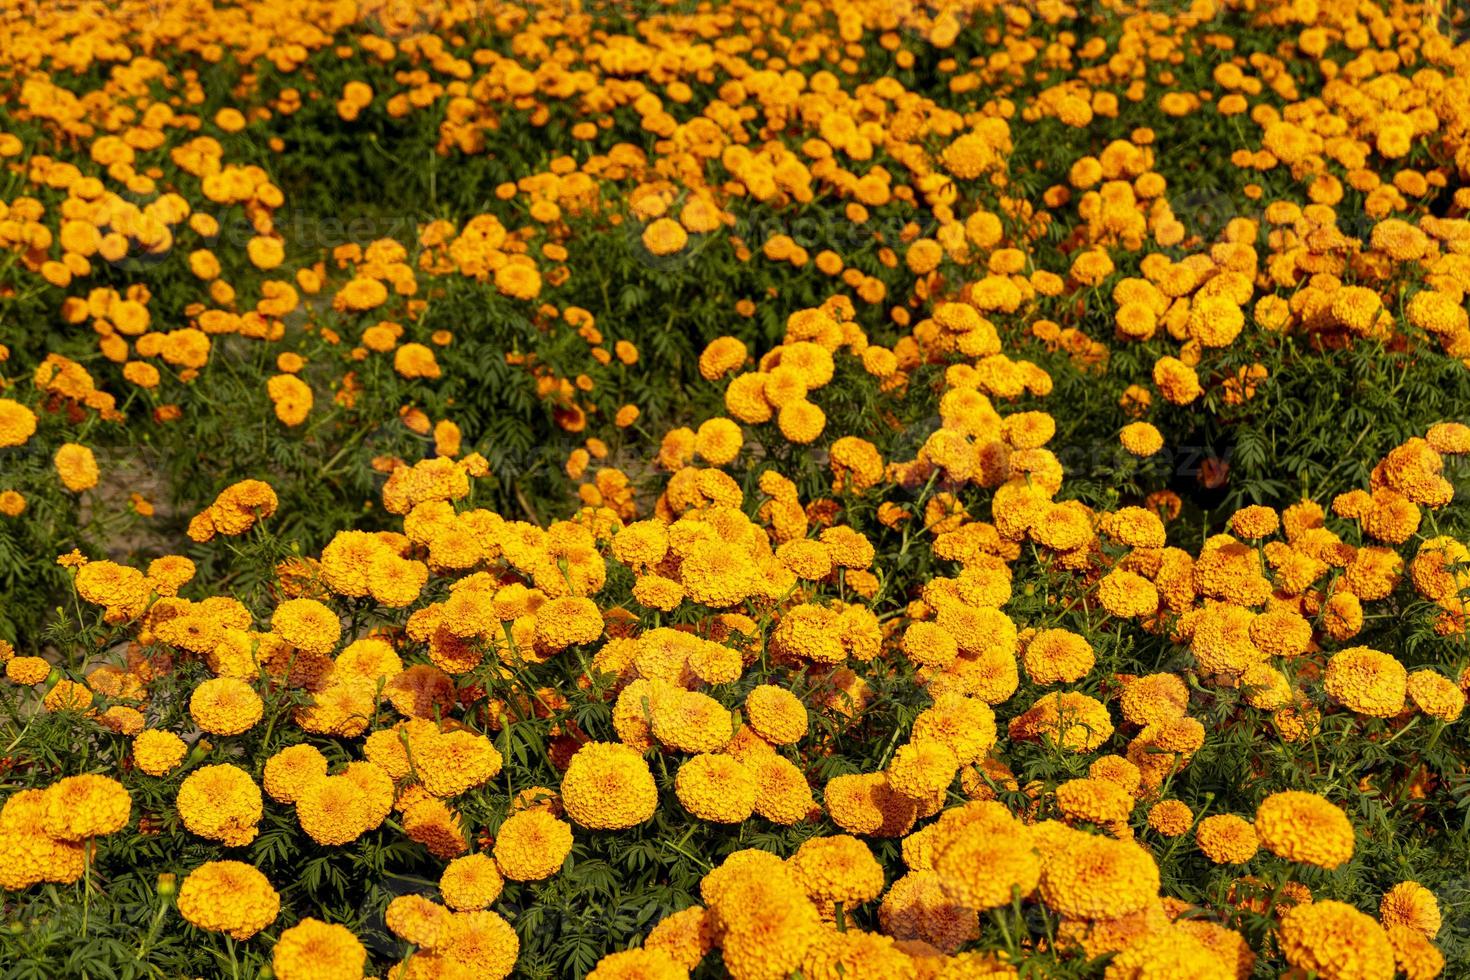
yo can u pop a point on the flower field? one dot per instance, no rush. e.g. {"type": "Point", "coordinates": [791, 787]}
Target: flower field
{"type": "Point", "coordinates": [644, 490]}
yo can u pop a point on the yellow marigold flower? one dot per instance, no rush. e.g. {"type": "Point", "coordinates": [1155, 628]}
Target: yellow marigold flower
{"type": "Point", "coordinates": [532, 845]}
{"type": "Point", "coordinates": [801, 422]}
{"type": "Point", "coordinates": [1094, 800]}
{"type": "Point", "coordinates": [1171, 818]}
{"type": "Point", "coordinates": [917, 907]}
{"type": "Point", "coordinates": [638, 964]}
{"type": "Point", "coordinates": [716, 788]}
{"type": "Point", "coordinates": [1071, 720]}
{"type": "Point", "coordinates": [77, 467]}
{"type": "Point", "coordinates": [1173, 951]}
{"type": "Point", "coordinates": [776, 714]}
{"type": "Point", "coordinates": [1411, 905]}
{"type": "Point", "coordinates": [1367, 681]}
{"type": "Point", "coordinates": [1057, 656]}
{"type": "Point", "coordinates": [721, 356]}
{"type": "Point", "coordinates": [1099, 878]}
{"type": "Point", "coordinates": [865, 804]}
{"type": "Point", "coordinates": [568, 621]}
{"type": "Point", "coordinates": [473, 882]}
{"type": "Point", "coordinates": [1226, 839]}
{"type": "Point", "coordinates": [156, 752]}
{"type": "Point", "coordinates": [1141, 439]}
{"type": "Point", "coordinates": [922, 768]}
{"type": "Point", "coordinates": [432, 823]}
{"type": "Point", "coordinates": [225, 706]}
{"type": "Point", "coordinates": [1413, 954]}
{"type": "Point", "coordinates": [718, 441]}
{"type": "Point", "coordinates": [716, 575]}
{"type": "Point", "coordinates": [837, 870]}
{"type": "Point", "coordinates": [307, 625]}
{"type": "Point", "coordinates": [12, 503]}
{"type": "Point", "coordinates": [665, 236]}
{"type": "Point", "coordinates": [1176, 381]}
{"type": "Point", "coordinates": [68, 695]}
{"type": "Point", "coordinates": [608, 786]}
{"type": "Point", "coordinates": [981, 867]}
{"type": "Point", "coordinates": [1304, 827]}
{"type": "Point", "coordinates": [27, 671]}
{"type": "Point", "coordinates": [1221, 641]}
{"type": "Point", "coordinates": [1334, 939]}
{"type": "Point", "coordinates": [686, 936]}
{"type": "Point", "coordinates": [415, 361]}
{"type": "Point", "coordinates": [806, 558]}
{"type": "Point", "coordinates": [518, 280]}
{"type": "Point", "coordinates": [229, 897]}
{"type": "Point", "coordinates": [333, 810]}
{"type": "Point", "coordinates": [291, 770]}
{"type": "Point", "coordinates": [1117, 770]}
{"type": "Point", "coordinates": [291, 397]}
{"type": "Point", "coordinates": [316, 950]}
{"type": "Point", "coordinates": [82, 807]}
{"type": "Point", "coordinates": [768, 922]}
{"type": "Point", "coordinates": [17, 423]}
{"type": "Point", "coordinates": [416, 920]}
{"type": "Point", "coordinates": [1154, 698]}
{"type": "Point", "coordinates": [965, 725]}
{"type": "Point", "coordinates": [1436, 695]}
{"type": "Point", "coordinates": [105, 583]}
{"type": "Point", "coordinates": [454, 762]}
{"type": "Point", "coordinates": [782, 793]}
{"type": "Point", "coordinates": [481, 943]}
{"type": "Point", "coordinates": [1342, 618]}
{"type": "Point", "coordinates": [689, 720]}
{"type": "Point", "coordinates": [1450, 437]}
{"type": "Point", "coordinates": [929, 645]}
{"type": "Point", "coordinates": [220, 803]}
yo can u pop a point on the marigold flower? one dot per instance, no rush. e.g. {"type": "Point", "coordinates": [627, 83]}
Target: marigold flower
{"type": "Point", "coordinates": [1411, 905]}
{"type": "Point", "coordinates": [638, 964]}
{"type": "Point", "coordinates": [1171, 818]}
{"type": "Point", "coordinates": [608, 786]}
{"type": "Point", "coordinates": [1141, 439]}
{"type": "Point", "coordinates": [79, 808]}
{"type": "Point", "coordinates": [416, 920]}
{"type": "Point", "coordinates": [531, 845]}
{"type": "Point", "coordinates": [225, 706]}
{"type": "Point", "coordinates": [221, 803]}
{"type": "Point", "coordinates": [156, 752]}
{"type": "Point", "coordinates": [1367, 681]}
{"type": "Point", "coordinates": [1073, 721]}
{"type": "Point", "coordinates": [1436, 695]}
{"type": "Point", "coordinates": [837, 870]}
{"type": "Point", "coordinates": [77, 467]}
{"type": "Point", "coordinates": [866, 804]}
{"type": "Point", "coordinates": [1304, 827]}
{"type": "Point", "coordinates": [922, 768]}
{"type": "Point", "coordinates": [1099, 878]}
{"type": "Point", "coordinates": [982, 868]}
{"type": "Point", "coordinates": [316, 950]}
{"type": "Point", "coordinates": [473, 882]}
{"type": "Point", "coordinates": [27, 671]}
{"type": "Point", "coordinates": [229, 897]}
{"type": "Point", "coordinates": [17, 423]}
{"type": "Point", "coordinates": [307, 624]}
{"type": "Point", "coordinates": [1094, 800]}
{"type": "Point", "coordinates": [1334, 939]}
{"type": "Point", "coordinates": [1226, 839]}
{"type": "Point", "coordinates": [1057, 656]}
{"type": "Point", "coordinates": [291, 770]}
{"type": "Point", "coordinates": [782, 793]}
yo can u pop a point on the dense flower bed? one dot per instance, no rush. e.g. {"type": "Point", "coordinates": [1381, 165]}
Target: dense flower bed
{"type": "Point", "coordinates": [759, 489]}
